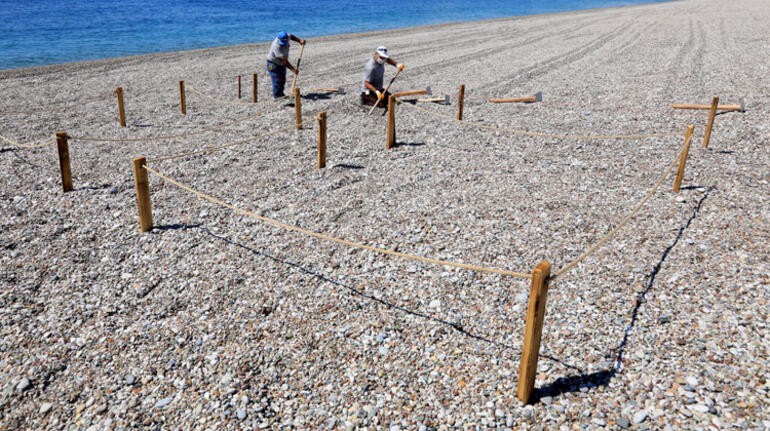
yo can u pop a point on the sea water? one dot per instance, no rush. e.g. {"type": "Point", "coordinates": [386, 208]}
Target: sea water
{"type": "Point", "coordinates": [39, 32]}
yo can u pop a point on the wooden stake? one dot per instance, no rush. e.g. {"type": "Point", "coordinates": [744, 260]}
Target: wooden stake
{"type": "Point", "coordinates": [683, 157]}
{"type": "Point", "coordinates": [533, 332]}
{"type": "Point", "coordinates": [321, 117]}
{"type": "Point", "coordinates": [391, 122]}
{"type": "Point", "coordinates": [254, 88]}
{"type": "Point", "coordinates": [142, 185]}
{"type": "Point", "coordinates": [712, 115]}
{"type": "Point", "coordinates": [121, 107]}
{"type": "Point", "coordinates": [297, 108]}
{"type": "Point", "coordinates": [64, 161]}
{"type": "Point", "coordinates": [182, 99]}
{"type": "Point", "coordinates": [239, 86]}
{"type": "Point", "coordinates": [460, 99]}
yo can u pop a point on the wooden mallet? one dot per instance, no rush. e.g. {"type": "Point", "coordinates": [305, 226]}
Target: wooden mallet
{"type": "Point", "coordinates": [538, 97]}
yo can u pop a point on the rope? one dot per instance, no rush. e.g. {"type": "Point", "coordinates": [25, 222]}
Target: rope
{"type": "Point", "coordinates": [589, 251]}
{"type": "Point", "coordinates": [219, 147]}
{"type": "Point", "coordinates": [540, 134]}
{"type": "Point", "coordinates": [28, 146]}
{"type": "Point", "coordinates": [227, 102]}
{"type": "Point", "coordinates": [335, 239]}
{"type": "Point", "coordinates": [162, 138]}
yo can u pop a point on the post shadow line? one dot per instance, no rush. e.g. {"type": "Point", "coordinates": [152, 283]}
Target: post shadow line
{"type": "Point", "coordinates": [456, 326]}
{"type": "Point", "coordinates": [573, 383]}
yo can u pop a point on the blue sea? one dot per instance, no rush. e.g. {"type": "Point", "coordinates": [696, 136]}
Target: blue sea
{"type": "Point", "coordinates": [38, 32]}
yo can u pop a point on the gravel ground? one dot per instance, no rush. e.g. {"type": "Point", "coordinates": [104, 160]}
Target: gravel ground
{"type": "Point", "coordinates": [219, 321]}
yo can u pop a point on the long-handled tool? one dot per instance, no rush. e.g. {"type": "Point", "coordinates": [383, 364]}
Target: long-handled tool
{"type": "Point", "coordinates": [338, 90]}
{"type": "Point", "coordinates": [739, 107]}
{"type": "Point", "coordinates": [384, 92]}
{"type": "Point", "coordinates": [299, 59]}
{"type": "Point", "coordinates": [538, 97]}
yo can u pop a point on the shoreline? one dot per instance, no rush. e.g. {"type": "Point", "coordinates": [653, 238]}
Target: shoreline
{"type": "Point", "coordinates": [216, 319]}
{"type": "Point", "coordinates": [85, 64]}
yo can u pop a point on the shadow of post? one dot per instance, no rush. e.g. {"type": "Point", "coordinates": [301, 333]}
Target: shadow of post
{"type": "Point", "coordinates": [574, 383]}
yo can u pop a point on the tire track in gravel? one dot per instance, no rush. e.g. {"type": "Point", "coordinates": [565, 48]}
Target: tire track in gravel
{"type": "Point", "coordinates": [469, 51]}
{"type": "Point", "coordinates": [664, 89]}
{"type": "Point", "coordinates": [472, 53]}
{"type": "Point", "coordinates": [556, 62]}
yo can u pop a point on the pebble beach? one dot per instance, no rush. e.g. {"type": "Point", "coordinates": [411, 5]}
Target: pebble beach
{"type": "Point", "coordinates": [217, 320]}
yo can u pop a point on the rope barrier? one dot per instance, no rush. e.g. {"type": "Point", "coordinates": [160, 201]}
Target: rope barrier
{"type": "Point", "coordinates": [541, 134]}
{"type": "Point", "coordinates": [27, 146]}
{"type": "Point", "coordinates": [341, 241]}
{"type": "Point", "coordinates": [591, 250]}
{"type": "Point", "coordinates": [163, 138]}
{"type": "Point", "coordinates": [219, 147]}
{"type": "Point", "coordinates": [192, 89]}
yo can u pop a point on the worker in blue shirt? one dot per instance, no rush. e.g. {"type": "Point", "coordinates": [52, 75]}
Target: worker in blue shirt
{"type": "Point", "coordinates": [278, 61]}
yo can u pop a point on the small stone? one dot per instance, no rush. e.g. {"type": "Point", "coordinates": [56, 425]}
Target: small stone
{"type": "Point", "coordinates": [528, 412]}
{"type": "Point", "coordinates": [623, 422]}
{"type": "Point", "coordinates": [599, 421]}
{"type": "Point", "coordinates": [499, 413]}
{"type": "Point", "coordinates": [692, 381]}
{"type": "Point", "coordinates": [546, 400]}
{"type": "Point", "coordinates": [664, 319]}
{"type": "Point", "coordinates": [23, 385]}
{"type": "Point", "coordinates": [700, 408]}
{"type": "Point", "coordinates": [45, 408]}
{"type": "Point", "coordinates": [640, 417]}
{"type": "Point", "coordinates": [381, 337]}
{"type": "Point", "coordinates": [241, 414]}
{"type": "Point", "coordinates": [435, 304]}
{"type": "Point", "coordinates": [383, 350]}
{"type": "Point", "coordinates": [130, 379]}
{"type": "Point", "coordinates": [164, 402]}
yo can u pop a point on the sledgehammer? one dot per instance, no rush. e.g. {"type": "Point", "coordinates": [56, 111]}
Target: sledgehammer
{"type": "Point", "coordinates": [538, 97]}
{"type": "Point", "coordinates": [338, 90]}
{"type": "Point", "coordinates": [443, 100]}
{"type": "Point", "coordinates": [739, 107]}
{"type": "Point", "coordinates": [427, 91]}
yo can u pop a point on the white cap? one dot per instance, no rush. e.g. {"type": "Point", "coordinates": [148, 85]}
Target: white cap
{"type": "Point", "coordinates": [382, 52]}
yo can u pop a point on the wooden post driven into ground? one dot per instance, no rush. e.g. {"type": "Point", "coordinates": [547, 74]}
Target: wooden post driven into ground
{"type": "Point", "coordinates": [297, 108]}
{"type": "Point", "coordinates": [533, 332]}
{"type": "Point", "coordinates": [712, 115]}
{"type": "Point", "coordinates": [121, 107]}
{"type": "Point", "coordinates": [142, 185]}
{"type": "Point", "coordinates": [254, 88]}
{"type": "Point", "coordinates": [64, 161]}
{"type": "Point", "coordinates": [321, 117]}
{"type": "Point", "coordinates": [182, 99]}
{"type": "Point", "coordinates": [683, 157]}
{"type": "Point", "coordinates": [239, 86]}
{"type": "Point", "coordinates": [391, 122]}
{"type": "Point", "coordinates": [460, 99]}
